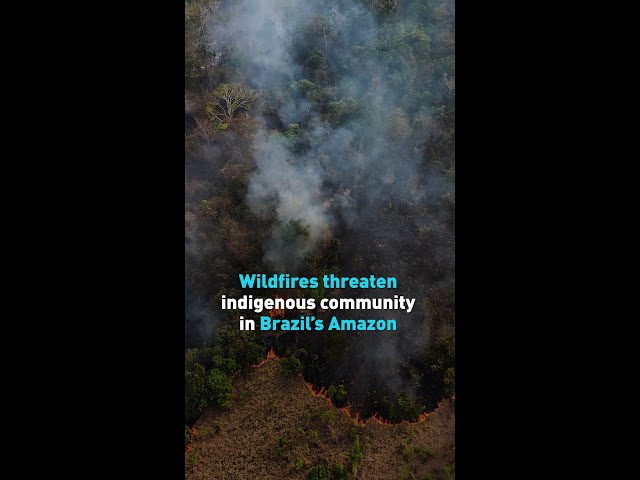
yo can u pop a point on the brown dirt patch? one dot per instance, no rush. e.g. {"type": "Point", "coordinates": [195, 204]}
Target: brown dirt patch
{"type": "Point", "coordinates": [276, 422]}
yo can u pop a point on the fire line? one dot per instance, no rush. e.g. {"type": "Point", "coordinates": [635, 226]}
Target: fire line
{"type": "Point", "coordinates": [347, 410]}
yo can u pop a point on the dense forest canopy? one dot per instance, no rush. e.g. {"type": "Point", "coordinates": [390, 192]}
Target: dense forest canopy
{"type": "Point", "coordinates": [319, 138]}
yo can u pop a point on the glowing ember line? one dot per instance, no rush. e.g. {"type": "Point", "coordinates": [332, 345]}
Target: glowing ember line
{"type": "Point", "coordinates": [347, 410]}
{"type": "Point", "coordinates": [270, 354]}
{"type": "Point", "coordinates": [356, 417]}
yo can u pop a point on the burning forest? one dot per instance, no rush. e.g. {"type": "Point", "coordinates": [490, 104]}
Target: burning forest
{"type": "Point", "coordinates": [296, 432]}
{"type": "Point", "coordinates": [320, 140]}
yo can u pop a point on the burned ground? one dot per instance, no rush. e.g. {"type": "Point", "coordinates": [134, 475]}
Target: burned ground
{"type": "Point", "coordinates": [276, 429]}
{"type": "Point", "coordinates": [341, 160]}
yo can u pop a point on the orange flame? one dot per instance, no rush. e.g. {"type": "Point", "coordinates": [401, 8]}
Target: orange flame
{"type": "Point", "coordinates": [380, 420]}
{"type": "Point", "coordinates": [277, 312]}
{"type": "Point", "coordinates": [357, 421]}
{"type": "Point", "coordinates": [347, 409]}
{"type": "Point", "coordinates": [270, 354]}
{"type": "Point", "coordinates": [189, 446]}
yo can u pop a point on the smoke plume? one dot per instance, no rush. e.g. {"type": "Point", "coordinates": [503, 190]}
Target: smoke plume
{"type": "Point", "coordinates": [352, 142]}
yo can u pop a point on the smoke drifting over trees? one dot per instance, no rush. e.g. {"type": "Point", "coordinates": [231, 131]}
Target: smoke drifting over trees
{"type": "Point", "coordinates": [340, 159]}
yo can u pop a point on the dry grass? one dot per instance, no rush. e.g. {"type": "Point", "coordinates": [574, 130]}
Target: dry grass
{"type": "Point", "coordinates": [278, 430]}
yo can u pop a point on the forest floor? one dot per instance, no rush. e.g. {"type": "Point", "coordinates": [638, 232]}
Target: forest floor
{"type": "Point", "coordinates": [277, 429]}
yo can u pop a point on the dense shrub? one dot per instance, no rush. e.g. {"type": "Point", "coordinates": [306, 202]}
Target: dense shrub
{"type": "Point", "coordinates": [319, 472]}
{"type": "Point", "coordinates": [338, 394]}
{"type": "Point", "coordinates": [403, 409]}
{"type": "Point", "coordinates": [290, 365]}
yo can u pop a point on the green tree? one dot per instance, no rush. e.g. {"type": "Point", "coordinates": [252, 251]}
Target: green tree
{"type": "Point", "coordinates": [219, 388]}
{"type": "Point", "coordinates": [290, 365]}
{"type": "Point", "coordinates": [343, 111]}
{"type": "Point", "coordinates": [196, 397]}
{"type": "Point", "coordinates": [199, 386]}
{"type": "Point", "coordinates": [322, 27]}
{"type": "Point", "coordinates": [357, 454]}
{"type": "Point", "coordinates": [339, 472]}
{"type": "Point", "coordinates": [294, 229]}
{"type": "Point", "coordinates": [197, 53]}
{"type": "Point", "coordinates": [319, 472]}
{"type": "Point", "coordinates": [338, 394]}
{"type": "Point", "coordinates": [235, 350]}
{"type": "Point", "coordinates": [450, 381]}
{"type": "Point", "coordinates": [403, 409]}
{"type": "Point", "coordinates": [306, 89]}
{"type": "Point", "coordinates": [187, 436]}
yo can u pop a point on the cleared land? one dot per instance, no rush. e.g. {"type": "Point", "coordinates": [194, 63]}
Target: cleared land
{"type": "Point", "coordinates": [277, 429]}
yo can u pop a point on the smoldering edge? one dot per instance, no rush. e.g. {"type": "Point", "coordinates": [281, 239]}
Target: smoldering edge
{"type": "Point", "coordinates": [312, 323]}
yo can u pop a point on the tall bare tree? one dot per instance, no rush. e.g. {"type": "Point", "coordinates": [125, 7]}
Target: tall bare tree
{"type": "Point", "coordinates": [225, 101]}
